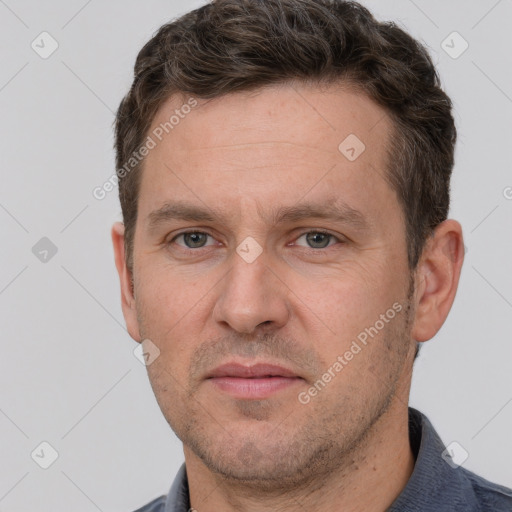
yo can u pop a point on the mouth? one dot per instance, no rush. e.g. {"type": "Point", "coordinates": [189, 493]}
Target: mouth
{"type": "Point", "coordinates": [255, 382]}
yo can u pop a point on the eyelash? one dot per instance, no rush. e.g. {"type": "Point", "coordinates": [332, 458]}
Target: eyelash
{"type": "Point", "coordinates": [188, 250]}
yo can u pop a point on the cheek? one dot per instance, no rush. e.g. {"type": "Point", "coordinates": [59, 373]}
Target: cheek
{"type": "Point", "coordinates": [344, 308]}
{"type": "Point", "coordinates": [160, 306]}
{"type": "Point", "coordinates": [165, 296]}
{"type": "Point", "coordinates": [346, 299]}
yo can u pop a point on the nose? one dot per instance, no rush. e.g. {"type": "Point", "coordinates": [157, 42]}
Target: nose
{"type": "Point", "coordinates": [251, 295]}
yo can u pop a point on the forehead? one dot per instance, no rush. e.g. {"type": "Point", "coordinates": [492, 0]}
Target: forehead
{"type": "Point", "coordinates": [319, 117]}
{"type": "Point", "coordinates": [275, 144]}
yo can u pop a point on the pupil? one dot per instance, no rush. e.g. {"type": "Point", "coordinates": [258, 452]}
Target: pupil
{"type": "Point", "coordinates": [195, 239]}
{"type": "Point", "coordinates": [313, 238]}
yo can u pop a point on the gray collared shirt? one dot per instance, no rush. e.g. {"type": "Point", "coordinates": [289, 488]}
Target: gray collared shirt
{"type": "Point", "coordinates": [437, 484]}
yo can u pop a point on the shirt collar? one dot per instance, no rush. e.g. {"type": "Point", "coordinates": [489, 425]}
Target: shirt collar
{"type": "Point", "coordinates": [178, 499]}
{"type": "Point", "coordinates": [437, 484]}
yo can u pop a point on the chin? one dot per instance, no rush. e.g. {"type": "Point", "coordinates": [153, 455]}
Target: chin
{"type": "Point", "coordinates": [261, 458]}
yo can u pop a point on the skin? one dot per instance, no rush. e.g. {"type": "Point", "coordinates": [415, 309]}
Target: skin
{"type": "Point", "coordinates": [301, 303]}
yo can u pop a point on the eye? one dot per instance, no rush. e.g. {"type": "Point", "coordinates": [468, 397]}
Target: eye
{"type": "Point", "coordinates": [318, 239]}
{"type": "Point", "coordinates": [192, 239]}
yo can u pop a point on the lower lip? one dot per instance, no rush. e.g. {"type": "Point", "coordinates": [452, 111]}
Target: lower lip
{"type": "Point", "coordinates": [257, 388]}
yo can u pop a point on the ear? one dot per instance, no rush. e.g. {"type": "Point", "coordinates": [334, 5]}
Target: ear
{"type": "Point", "coordinates": [125, 277]}
{"type": "Point", "coordinates": [437, 279]}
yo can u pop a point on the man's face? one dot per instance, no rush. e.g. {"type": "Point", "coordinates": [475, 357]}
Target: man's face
{"type": "Point", "coordinates": [261, 282]}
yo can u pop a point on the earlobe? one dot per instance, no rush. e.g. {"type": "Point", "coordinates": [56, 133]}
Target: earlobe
{"type": "Point", "coordinates": [437, 279]}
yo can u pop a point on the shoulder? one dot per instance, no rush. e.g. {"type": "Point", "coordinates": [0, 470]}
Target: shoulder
{"type": "Point", "coordinates": [157, 505]}
{"type": "Point", "coordinates": [490, 495]}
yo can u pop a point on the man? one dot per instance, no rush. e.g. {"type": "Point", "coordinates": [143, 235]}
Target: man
{"type": "Point", "coordinates": [284, 170]}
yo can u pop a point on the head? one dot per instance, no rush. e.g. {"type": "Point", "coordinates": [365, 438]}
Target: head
{"type": "Point", "coordinates": [307, 149]}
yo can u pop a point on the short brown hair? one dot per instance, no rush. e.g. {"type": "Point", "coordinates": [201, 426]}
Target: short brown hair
{"type": "Point", "coordinates": [239, 45]}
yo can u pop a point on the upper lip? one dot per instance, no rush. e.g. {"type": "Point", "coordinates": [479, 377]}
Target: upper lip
{"type": "Point", "coordinates": [259, 370]}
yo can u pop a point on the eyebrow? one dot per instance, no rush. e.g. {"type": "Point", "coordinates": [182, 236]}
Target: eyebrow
{"type": "Point", "coordinates": [334, 210]}
{"type": "Point", "coordinates": [178, 211]}
{"type": "Point", "coordinates": [330, 209]}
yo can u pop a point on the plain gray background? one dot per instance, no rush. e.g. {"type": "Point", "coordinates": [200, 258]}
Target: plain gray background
{"type": "Point", "coordinates": [68, 373]}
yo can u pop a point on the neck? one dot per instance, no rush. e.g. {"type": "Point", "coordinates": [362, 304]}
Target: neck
{"type": "Point", "coordinates": [371, 478]}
